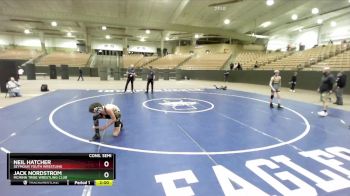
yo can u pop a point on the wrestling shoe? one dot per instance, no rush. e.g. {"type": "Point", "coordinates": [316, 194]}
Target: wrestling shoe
{"type": "Point", "coordinates": [322, 113]}
{"type": "Point", "coordinates": [96, 137]}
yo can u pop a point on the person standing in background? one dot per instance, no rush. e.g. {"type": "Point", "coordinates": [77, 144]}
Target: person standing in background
{"type": "Point", "coordinates": [340, 85]}
{"type": "Point", "coordinates": [325, 90]}
{"type": "Point", "coordinates": [239, 67]}
{"type": "Point", "coordinates": [226, 74]}
{"type": "Point", "coordinates": [293, 82]}
{"type": "Point", "coordinates": [80, 74]}
{"type": "Point", "coordinates": [20, 72]}
{"type": "Point", "coordinates": [150, 79]}
{"type": "Point", "coordinates": [131, 73]}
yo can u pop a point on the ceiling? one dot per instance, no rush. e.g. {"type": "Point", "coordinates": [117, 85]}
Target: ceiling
{"type": "Point", "coordinates": [174, 19]}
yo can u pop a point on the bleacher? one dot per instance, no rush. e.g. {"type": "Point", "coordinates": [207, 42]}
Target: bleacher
{"type": "Point", "coordinates": [169, 61]}
{"type": "Point", "coordinates": [307, 58]}
{"type": "Point", "coordinates": [145, 60]}
{"type": "Point", "coordinates": [270, 57]}
{"type": "Point", "coordinates": [338, 62]}
{"type": "Point", "coordinates": [248, 58]}
{"type": "Point", "coordinates": [19, 54]}
{"type": "Point", "coordinates": [206, 62]}
{"type": "Point", "coordinates": [63, 58]}
{"type": "Point", "coordinates": [131, 59]}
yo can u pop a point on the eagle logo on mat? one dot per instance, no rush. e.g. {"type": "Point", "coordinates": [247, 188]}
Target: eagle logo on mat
{"type": "Point", "coordinates": [178, 105]}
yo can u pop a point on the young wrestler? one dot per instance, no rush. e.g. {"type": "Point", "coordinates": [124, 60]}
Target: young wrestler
{"type": "Point", "coordinates": [275, 85]}
{"type": "Point", "coordinates": [108, 111]}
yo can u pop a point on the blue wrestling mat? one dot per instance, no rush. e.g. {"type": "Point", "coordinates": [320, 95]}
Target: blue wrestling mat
{"type": "Point", "coordinates": [187, 142]}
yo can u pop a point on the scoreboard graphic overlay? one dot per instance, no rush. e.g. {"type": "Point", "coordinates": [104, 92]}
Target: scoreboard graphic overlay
{"type": "Point", "coordinates": [61, 169]}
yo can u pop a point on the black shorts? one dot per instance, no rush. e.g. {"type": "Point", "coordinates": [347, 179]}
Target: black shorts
{"type": "Point", "coordinates": [116, 124]}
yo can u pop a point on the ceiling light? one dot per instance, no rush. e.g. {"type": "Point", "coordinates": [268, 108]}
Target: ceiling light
{"type": "Point", "coordinates": [265, 24]}
{"type": "Point", "coordinates": [148, 31]}
{"type": "Point", "coordinates": [142, 39]}
{"type": "Point", "coordinates": [300, 30]}
{"type": "Point", "coordinates": [54, 23]}
{"type": "Point", "coordinates": [227, 21]}
{"type": "Point", "coordinates": [196, 36]}
{"type": "Point", "coordinates": [315, 11]}
{"type": "Point", "coordinates": [26, 31]}
{"type": "Point", "coordinates": [104, 28]}
{"type": "Point", "coordinates": [261, 36]}
{"type": "Point", "coordinates": [333, 24]}
{"type": "Point", "coordinates": [319, 21]}
{"type": "Point", "coordinates": [69, 34]}
{"type": "Point", "coordinates": [108, 37]}
{"type": "Point", "coordinates": [294, 17]}
{"type": "Point", "coordinates": [167, 38]}
{"type": "Point", "coordinates": [270, 2]}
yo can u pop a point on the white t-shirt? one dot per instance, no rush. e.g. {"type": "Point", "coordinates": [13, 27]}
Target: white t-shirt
{"type": "Point", "coordinates": [13, 86]}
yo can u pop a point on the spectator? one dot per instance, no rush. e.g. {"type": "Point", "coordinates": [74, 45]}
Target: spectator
{"type": "Point", "coordinates": [80, 74]}
{"type": "Point", "coordinates": [293, 82]}
{"type": "Point", "coordinates": [239, 67]}
{"type": "Point", "coordinates": [13, 88]}
{"type": "Point", "coordinates": [256, 64]}
{"type": "Point", "coordinates": [231, 66]}
{"type": "Point", "coordinates": [226, 74]}
{"type": "Point", "coordinates": [20, 72]}
{"type": "Point", "coordinates": [340, 84]}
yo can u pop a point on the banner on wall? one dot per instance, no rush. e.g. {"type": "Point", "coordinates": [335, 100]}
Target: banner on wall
{"type": "Point", "coordinates": [103, 46]}
{"type": "Point", "coordinates": [147, 49]}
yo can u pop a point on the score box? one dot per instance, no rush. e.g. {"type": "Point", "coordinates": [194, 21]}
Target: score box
{"type": "Point", "coordinates": [103, 182]}
{"type": "Point", "coordinates": [60, 168]}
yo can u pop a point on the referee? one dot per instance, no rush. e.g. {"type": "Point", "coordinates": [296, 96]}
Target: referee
{"type": "Point", "coordinates": [150, 79]}
{"type": "Point", "coordinates": [131, 77]}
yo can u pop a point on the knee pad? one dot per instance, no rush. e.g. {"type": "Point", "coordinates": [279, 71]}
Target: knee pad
{"type": "Point", "coordinates": [272, 96]}
{"type": "Point", "coordinates": [96, 123]}
{"type": "Point", "coordinates": [95, 119]}
{"type": "Point", "coordinates": [118, 123]}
